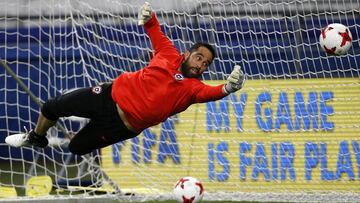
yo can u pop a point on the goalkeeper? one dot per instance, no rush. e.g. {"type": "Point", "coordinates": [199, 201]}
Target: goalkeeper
{"type": "Point", "coordinates": [134, 101]}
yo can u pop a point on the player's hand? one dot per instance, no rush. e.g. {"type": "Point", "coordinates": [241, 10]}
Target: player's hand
{"type": "Point", "coordinates": [235, 81]}
{"type": "Point", "coordinates": [144, 14]}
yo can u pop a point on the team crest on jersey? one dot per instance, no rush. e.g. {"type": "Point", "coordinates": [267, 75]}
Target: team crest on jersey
{"type": "Point", "coordinates": [96, 89]}
{"type": "Point", "coordinates": [178, 77]}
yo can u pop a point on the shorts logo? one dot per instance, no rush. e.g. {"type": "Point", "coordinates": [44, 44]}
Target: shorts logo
{"type": "Point", "coordinates": [178, 77]}
{"type": "Point", "coordinates": [96, 90]}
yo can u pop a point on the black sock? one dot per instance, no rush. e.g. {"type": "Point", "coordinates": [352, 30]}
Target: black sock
{"type": "Point", "coordinates": [35, 135]}
{"type": "Point", "coordinates": [38, 140]}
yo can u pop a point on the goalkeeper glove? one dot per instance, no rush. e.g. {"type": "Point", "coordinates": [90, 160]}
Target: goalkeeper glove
{"type": "Point", "coordinates": [235, 81]}
{"type": "Point", "coordinates": [144, 14]}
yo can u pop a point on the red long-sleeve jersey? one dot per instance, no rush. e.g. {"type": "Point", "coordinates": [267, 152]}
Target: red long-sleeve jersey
{"type": "Point", "coordinates": [150, 95]}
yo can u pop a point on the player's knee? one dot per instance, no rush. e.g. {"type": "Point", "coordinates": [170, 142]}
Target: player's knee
{"type": "Point", "coordinates": [78, 149]}
{"type": "Point", "coordinates": [48, 109]}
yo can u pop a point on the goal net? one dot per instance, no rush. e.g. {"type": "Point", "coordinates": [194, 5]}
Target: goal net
{"type": "Point", "coordinates": [291, 134]}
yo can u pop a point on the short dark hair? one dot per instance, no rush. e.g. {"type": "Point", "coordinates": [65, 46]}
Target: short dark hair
{"type": "Point", "coordinates": [203, 44]}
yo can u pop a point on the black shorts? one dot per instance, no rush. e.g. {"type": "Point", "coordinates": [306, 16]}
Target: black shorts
{"type": "Point", "coordinates": [105, 126]}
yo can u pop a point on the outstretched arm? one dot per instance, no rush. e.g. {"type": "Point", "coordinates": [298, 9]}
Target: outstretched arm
{"type": "Point", "coordinates": [211, 93]}
{"type": "Point", "coordinates": [159, 41]}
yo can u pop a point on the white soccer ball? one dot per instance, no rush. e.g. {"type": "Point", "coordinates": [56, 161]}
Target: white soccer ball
{"type": "Point", "coordinates": [335, 39]}
{"type": "Point", "coordinates": [188, 190]}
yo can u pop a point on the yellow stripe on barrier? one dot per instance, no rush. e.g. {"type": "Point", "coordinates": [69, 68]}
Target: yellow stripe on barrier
{"type": "Point", "coordinates": [7, 192]}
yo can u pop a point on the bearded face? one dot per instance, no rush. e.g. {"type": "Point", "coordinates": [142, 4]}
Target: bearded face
{"type": "Point", "coordinates": [188, 71]}
{"type": "Point", "coordinates": [196, 62]}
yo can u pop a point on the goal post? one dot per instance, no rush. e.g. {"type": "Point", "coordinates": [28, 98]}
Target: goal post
{"type": "Point", "coordinates": [291, 134]}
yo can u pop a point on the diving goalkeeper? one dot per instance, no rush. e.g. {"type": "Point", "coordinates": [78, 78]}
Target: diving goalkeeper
{"type": "Point", "coordinates": [134, 101]}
